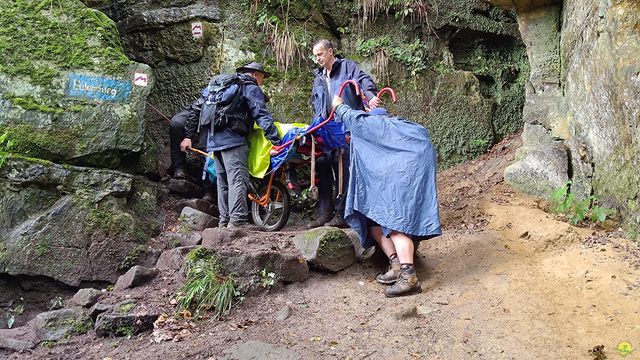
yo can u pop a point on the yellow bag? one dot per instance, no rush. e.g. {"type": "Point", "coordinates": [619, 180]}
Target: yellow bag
{"type": "Point", "coordinates": [259, 147]}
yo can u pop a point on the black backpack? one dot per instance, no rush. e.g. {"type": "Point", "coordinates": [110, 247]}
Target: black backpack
{"type": "Point", "coordinates": [220, 108]}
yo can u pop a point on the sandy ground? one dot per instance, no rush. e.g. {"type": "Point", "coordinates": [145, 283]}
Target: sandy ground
{"type": "Point", "coordinates": [505, 281]}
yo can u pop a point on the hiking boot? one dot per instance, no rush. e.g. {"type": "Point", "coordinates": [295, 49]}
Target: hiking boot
{"type": "Point", "coordinates": [243, 226]}
{"type": "Point", "coordinates": [391, 276]}
{"type": "Point", "coordinates": [406, 284]}
{"type": "Point", "coordinates": [338, 222]}
{"type": "Point", "coordinates": [320, 221]}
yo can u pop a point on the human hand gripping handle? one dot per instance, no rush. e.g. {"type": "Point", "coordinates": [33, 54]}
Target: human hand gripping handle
{"type": "Point", "coordinates": [337, 100]}
{"type": "Point", "coordinates": [374, 102]}
{"type": "Point", "coordinates": [185, 144]}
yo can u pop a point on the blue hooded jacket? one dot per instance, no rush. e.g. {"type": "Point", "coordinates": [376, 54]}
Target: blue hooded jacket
{"type": "Point", "coordinates": [341, 70]}
{"type": "Point", "coordinates": [252, 104]}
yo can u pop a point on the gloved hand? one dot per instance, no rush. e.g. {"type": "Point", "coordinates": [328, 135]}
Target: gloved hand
{"type": "Point", "coordinates": [337, 100]}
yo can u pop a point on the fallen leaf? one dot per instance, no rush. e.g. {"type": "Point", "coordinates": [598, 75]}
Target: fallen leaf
{"type": "Point", "coordinates": [624, 348]}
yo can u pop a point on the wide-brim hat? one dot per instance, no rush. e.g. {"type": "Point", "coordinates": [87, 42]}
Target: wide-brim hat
{"type": "Point", "coordinates": [254, 66]}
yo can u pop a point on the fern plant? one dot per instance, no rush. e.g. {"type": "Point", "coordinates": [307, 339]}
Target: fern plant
{"type": "Point", "coordinates": [206, 288]}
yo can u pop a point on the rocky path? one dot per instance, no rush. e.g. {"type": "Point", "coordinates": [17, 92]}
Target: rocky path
{"type": "Point", "coordinates": [505, 281]}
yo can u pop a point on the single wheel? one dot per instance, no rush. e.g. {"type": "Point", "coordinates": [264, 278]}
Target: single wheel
{"type": "Point", "coordinates": [274, 215]}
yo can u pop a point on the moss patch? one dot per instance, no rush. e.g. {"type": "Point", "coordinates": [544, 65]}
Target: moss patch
{"type": "Point", "coordinates": [32, 142]}
{"type": "Point", "coordinates": [41, 38]}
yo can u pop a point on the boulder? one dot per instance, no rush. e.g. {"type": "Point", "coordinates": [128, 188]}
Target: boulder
{"type": "Point", "coordinates": [19, 339]}
{"type": "Point", "coordinates": [72, 224]}
{"type": "Point", "coordinates": [541, 166]}
{"type": "Point", "coordinates": [121, 323]}
{"type": "Point", "coordinates": [83, 106]}
{"type": "Point", "coordinates": [197, 220]}
{"type": "Point", "coordinates": [248, 256]}
{"type": "Point", "coordinates": [202, 205]}
{"type": "Point", "coordinates": [86, 297]}
{"type": "Point", "coordinates": [57, 324]}
{"type": "Point", "coordinates": [173, 259]}
{"type": "Point", "coordinates": [326, 248]}
{"type": "Point", "coordinates": [136, 276]}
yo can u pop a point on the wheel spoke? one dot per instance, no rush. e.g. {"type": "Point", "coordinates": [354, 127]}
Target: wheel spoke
{"type": "Point", "coordinates": [266, 218]}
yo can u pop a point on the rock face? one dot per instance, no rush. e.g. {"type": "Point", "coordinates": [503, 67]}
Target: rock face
{"type": "Point", "coordinates": [70, 223]}
{"type": "Point", "coordinates": [585, 92]}
{"type": "Point", "coordinates": [70, 95]}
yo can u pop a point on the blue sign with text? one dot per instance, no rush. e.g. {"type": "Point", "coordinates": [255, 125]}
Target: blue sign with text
{"type": "Point", "coordinates": [97, 87]}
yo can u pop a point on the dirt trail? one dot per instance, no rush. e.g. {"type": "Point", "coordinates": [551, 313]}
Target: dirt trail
{"type": "Point", "coordinates": [505, 281]}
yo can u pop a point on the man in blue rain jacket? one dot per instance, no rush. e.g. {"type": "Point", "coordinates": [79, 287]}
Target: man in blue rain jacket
{"type": "Point", "coordinates": [328, 79]}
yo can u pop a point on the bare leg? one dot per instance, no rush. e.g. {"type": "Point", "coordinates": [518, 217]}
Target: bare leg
{"type": "Point", "coordinates": [407, 283]}
{"type": "Point", "coordinates": [403, 245]}
{"type": "Point", "coordinates": [385, 243]}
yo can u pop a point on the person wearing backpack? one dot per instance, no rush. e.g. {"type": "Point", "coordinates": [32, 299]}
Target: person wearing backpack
{"type": "Point", "coordinates": [229, 107]}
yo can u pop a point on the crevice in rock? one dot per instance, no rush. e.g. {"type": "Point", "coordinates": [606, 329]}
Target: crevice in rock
{"type": "Point", "coordinates": [22, 297]}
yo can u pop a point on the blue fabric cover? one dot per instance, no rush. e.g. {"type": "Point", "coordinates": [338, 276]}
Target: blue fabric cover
{"type": "Point", "coordinates": [332, 134]}
{"type": "Point", "coordinates": [393, 176]}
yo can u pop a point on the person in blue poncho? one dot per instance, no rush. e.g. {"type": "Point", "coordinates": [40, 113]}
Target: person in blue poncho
{"type": "Point", "coordinates": [391, 197]}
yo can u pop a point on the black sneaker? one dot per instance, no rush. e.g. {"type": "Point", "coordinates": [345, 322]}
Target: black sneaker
{"type": "Point", "coordinates": [407, 284]}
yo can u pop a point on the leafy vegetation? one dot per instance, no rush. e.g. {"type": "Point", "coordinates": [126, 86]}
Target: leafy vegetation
{"type": "Point", "coordinates": [6, 144]}
{"type": "Point", "coordinates": [288, 41]}
{"type": "Point", "coordinates": [416, 10]}
{"type": "Point", "coordinates": [267, 278]}
{"type": "Point", "coordinates": [205, 287]}
{"type": "Point", "coordinates": [412, 55]}
{"type": "Point", "coordinates": [564, 202]}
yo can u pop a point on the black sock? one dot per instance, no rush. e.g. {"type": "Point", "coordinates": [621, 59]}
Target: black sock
{"type": "Point", "coordinates": [406, 267]}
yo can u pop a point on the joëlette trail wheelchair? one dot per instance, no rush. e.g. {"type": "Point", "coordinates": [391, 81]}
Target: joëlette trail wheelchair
{"type": "Point", "coordinates": [270, 200]}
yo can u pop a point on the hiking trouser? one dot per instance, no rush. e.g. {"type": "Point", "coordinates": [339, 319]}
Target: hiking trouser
{"type": "Point", "coordinates": [232, 177]}
{"type": "Point", "coordinates": [327, 168]}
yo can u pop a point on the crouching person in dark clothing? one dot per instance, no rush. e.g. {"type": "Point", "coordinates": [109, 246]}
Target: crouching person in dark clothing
{"type": "Point", "coordinates": [230, 147]}
{"type": "Point", "coordinates": [392, 198]}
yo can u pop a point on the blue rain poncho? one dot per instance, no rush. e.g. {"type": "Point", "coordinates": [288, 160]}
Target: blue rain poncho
{"type": "Point", "coordinates": [393, 176]}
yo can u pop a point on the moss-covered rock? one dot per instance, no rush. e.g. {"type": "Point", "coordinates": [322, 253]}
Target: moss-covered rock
{"type": "Point", "coordinates": [67, 88]}
{"type": "Point", "coordinates": [326, 248]}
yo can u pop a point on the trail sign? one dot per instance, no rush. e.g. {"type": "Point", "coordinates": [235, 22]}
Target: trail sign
{"type": "Point", "coordinates": [140, 79]}
{"type": "Point", "coordinates": [197, 29]}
